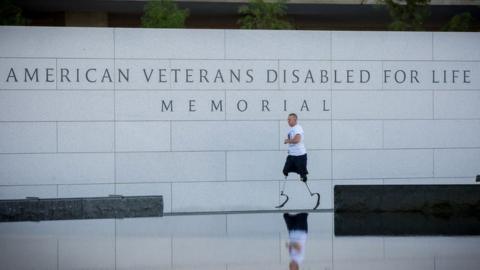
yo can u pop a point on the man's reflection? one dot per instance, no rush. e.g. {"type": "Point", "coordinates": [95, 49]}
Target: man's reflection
{"type": "Point", "coordinates": [297, 226]}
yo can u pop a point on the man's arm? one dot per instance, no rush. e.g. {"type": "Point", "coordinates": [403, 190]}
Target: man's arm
{"type": "Point", "coordinates": [295, 139]}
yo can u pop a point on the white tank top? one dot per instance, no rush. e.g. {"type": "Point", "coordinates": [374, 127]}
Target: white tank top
{"type": "Point", "coordinates": [299, 237]}
{"type": "Point", "coordinates": [297, 149]}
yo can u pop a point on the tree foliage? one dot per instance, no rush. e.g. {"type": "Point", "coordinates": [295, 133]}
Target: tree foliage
{"type": "Point", "coordinates": [408, 15]}
{"type": "Point", "coordinates": [459, 23]}
{"type": "Point", "coordinates": [259, 14]}
{"type": "Point", "coordinates": [163, 14]}
{"type": "Point", "coordinates": [11, 14]}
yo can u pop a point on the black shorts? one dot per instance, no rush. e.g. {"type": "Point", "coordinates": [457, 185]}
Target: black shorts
{"type": "Point", "coordinates": [296, 164]}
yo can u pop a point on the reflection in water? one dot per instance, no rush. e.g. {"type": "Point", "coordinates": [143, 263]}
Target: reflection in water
{"type": "Point", "coordinates": [297, 226]}
{"type": "Point", "coordinates": [235, 241]}
{"type": "Point", "coordinates": [408, 223]}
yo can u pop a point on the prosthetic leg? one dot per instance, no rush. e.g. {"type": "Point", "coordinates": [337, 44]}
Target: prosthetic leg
{"type": "Point", "coordinates": [282, 193]}
{"type": "Point", "coordinates": [313, 194]}
{"type": "Point", "coordinates": [297, 165]}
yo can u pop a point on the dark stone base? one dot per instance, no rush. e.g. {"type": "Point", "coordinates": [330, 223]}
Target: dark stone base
{"type": "Point", "coordinates": [34, 209]}
{"type": "Point", "coordinates": [407, 210]}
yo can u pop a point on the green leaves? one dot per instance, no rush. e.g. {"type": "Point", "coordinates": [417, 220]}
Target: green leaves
{"type": "Point", "coordinates": [408, 15]}
{"type": "Point", "coordinates": [11, 14]}
{"type": "Point", "coordinates": [459, 23]}
{"type": "Point", "coordinates": [163, 14]}
{"type": "Point", "coordinates": [262, 15]}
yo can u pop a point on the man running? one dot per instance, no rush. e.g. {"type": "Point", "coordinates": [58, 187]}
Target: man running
{"type": "Point", "coordinates": [297, 159]}
{"type": "Point", "coordinates": [297, 154]}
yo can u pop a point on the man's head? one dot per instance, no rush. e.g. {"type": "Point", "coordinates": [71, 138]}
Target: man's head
{"type": "Point", "coordinates": [292, 119]}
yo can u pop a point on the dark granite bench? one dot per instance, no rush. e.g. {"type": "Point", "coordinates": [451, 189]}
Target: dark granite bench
{"type": "Point", "coordinates": [35, 209]}
{"type": "Point", "coordinates": [407, 209]}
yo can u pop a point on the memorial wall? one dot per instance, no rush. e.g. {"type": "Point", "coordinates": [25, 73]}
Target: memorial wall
{"type": "Point", "coordinates": [199, 116]}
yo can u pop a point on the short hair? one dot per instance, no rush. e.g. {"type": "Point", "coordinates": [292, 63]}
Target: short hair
{"type": "Point", "coordinates": [293, 114]}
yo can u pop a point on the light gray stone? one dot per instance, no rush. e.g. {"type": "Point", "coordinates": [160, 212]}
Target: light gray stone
{"type": "Point", "coordinates": [303, 75]}
{"type": "Point", "coordinates": [24, 169]}
{"type": "Point", "coordinates": [357, 248]}
{"type": "Point", "coordinates": [143, 252]}
{"type": "Point", "coordinates": [142, 74]}
{"type": "Point", "coordinates": [170, 105]}
{"type": "Point", "coordinates": [21, 192]}
{"type": "Point", "coordinates": [276, 105]}
{"type": "Point", "coordinates": [456, 46]}
{"type": "Point", "coordinates": [173, 226]}
{"type": "Point", "coordinates": [431, 133]}
{"type": "Point", "coordinates": [356, 164]}
{"type": "Point", "coordinates": [382, 105]}
{"type": "Point", "coordinates": [89, 251]}
{"type": "Point", "coordinates": [356, 75]}
{"type": "Point", "coordinates": [142, 136]}
{"type": "Point", "coordinates": [457, 162]}
{"type": "Point", "coordinates": [223, 196]}
{"type": "Point", "coordinates": [29, 137]}
{"type": "Point", "coordinates": [170, 167]}
{"type": "Point", "coordinates": [224, 135]}
{"type": "Point", "coordinates": [85, 74]}
{"type": "Point", "coordinates": [23, 74]}
{"type": "Point", "coordinates": [227, 137]}
{"type": "Point", "coordinates": [56, 106]}
{"type": "Point", "coordinates": [85, 137]}
{"type": "Point", "coordinates": [272, 44]}
{"type": "Point", "coordinates": [40, 251]}
{"type": "Point", "coordinates": [61, 42]}
{"type": "Point", "coordinates": [89, 190]}
{"type": "Point", "coordinates": [357, 134]}
{"type": "Point", "coordinates": [233, 250]}
{"type": "Point", "coordinates": [169, 43]}
{"type": "Point", "coordinates": [427, 75]}
{"type": "Point", "coordinates": [457, 105]}
{"type": "Point", "coordinates": [381, 45]}
{"type": "Point", "coordinates": [223, 74]}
